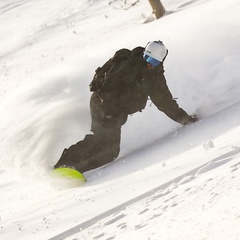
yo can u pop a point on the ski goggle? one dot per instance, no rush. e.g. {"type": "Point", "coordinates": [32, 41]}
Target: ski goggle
{"type": "Point", "coordinates": [154, 62]}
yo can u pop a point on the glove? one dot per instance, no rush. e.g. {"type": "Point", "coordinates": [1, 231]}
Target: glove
{"type": "Point", "coordinates": [190, 119]}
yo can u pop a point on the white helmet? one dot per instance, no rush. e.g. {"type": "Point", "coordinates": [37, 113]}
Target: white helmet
{"type": "Point", "coordinates": [157, 50]}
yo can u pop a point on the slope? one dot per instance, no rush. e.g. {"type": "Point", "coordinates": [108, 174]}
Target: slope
{"type": "Point", "coordinates": [46, 65]}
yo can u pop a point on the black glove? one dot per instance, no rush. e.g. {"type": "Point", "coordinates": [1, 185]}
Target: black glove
{"type": "Point", "coordinates": [190, 119]}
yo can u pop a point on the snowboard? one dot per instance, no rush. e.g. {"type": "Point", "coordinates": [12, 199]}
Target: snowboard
{"type": "Point", "coordinates": [69, 174]}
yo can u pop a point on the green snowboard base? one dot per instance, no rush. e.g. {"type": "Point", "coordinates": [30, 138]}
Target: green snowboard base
{"type": "Point", "coordinates": [69, 174]}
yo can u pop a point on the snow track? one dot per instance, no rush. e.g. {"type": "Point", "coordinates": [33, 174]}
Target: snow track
{"type": "Point", "coordinates": [113, 215]}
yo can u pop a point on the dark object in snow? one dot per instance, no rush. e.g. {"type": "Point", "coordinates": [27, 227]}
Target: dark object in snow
{"type": "Point", "coordinates": [121, 87]}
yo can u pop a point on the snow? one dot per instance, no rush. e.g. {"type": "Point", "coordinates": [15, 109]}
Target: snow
{"type": "Point", "coordinates": [169, 182]}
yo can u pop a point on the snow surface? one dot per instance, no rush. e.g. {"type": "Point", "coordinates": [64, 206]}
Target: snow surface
{"type": "Point", "coordinates": [169, 182]}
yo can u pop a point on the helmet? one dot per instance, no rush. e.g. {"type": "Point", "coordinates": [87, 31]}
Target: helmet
{"type": "Point", "coordinates": [156, 50]}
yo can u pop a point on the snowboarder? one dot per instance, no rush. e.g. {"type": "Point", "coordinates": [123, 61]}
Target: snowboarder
{"type": "Point", "coordinates": [122, 87]}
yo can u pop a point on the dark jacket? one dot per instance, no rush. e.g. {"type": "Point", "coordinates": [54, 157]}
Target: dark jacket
{"type": "Point", "coordinates": [124, 85]}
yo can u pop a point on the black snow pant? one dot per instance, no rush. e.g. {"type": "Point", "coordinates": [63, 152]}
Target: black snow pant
{"type": "Point", "coordinates": [99, 148]}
